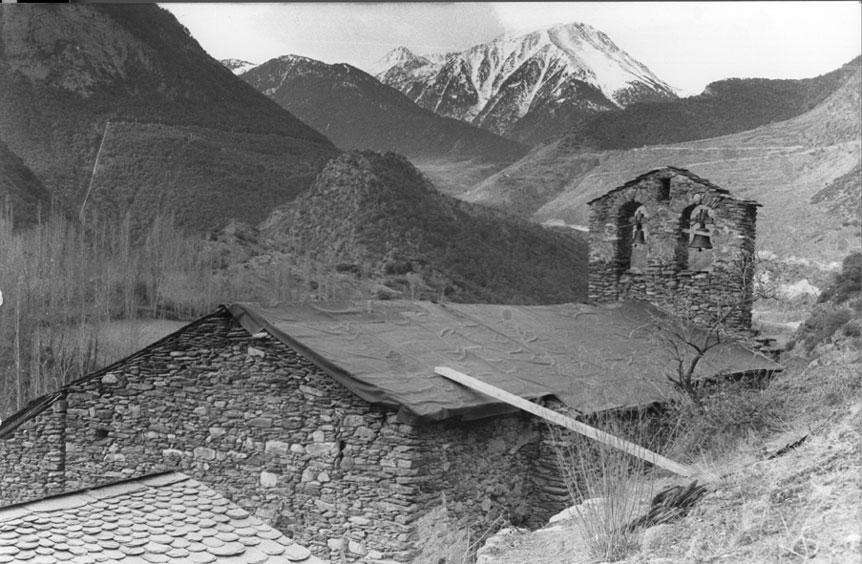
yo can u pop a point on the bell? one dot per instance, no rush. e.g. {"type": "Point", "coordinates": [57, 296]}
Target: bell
{"type": "Point", "coordinates": [700, 240]}
{"type": "Point", "coordinates": [638, 239]}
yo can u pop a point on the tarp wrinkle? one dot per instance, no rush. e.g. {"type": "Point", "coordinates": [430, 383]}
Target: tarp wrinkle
{"type": "Point", "coordinates": [592, 358]}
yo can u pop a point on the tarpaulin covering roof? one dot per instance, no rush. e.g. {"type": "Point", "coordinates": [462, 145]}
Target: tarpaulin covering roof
{"type": "Point", "coordinates": [592, 358]}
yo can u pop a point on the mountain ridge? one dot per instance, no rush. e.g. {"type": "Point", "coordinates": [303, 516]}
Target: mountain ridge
{"type": "Point", "coordinates": [358, 112]}
{"type": "Point", "coordinates": [571, 69]}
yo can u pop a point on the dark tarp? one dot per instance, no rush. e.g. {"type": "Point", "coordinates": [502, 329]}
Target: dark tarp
{"type": "Point", "coordinates": [592, 358]}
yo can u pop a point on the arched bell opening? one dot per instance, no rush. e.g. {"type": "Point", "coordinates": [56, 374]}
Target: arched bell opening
{"type": "Point", "coordinates": [695, 241]}
{"type": "Point", "coordinates": [631, 237]}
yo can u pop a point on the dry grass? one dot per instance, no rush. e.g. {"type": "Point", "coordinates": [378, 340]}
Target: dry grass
{"type": "Point", "coordinates": [767, 503]}
{"type": "Point", "coordinates": [608, 487]}
{"type": "Point", "coordinates": [802, 505]}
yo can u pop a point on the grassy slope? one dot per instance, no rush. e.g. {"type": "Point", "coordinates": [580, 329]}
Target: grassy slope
{"type": "Point", "coordinates": [135, 63]}
{"type": "Point", "coordinates": [762, 505]}
{"type": "Point", "coordinates": [379, 213]}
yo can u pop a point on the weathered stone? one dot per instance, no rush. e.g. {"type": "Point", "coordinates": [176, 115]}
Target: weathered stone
{"type": "Point", "coordinates": [335, 543]}
{"type": "Point", "coordinates": [268, 479]}
{"type": "Point", "coordinates": [321, 449]}
{"type": "Point", "coordinates": [357, 548]}
{"type": "Point", "coordinates": [277, 448]}
{"type": "Point", "coordinates": [204, 453]}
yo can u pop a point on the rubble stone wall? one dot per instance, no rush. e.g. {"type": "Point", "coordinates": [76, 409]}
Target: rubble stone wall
{"type": "Point", "coordinates": [32, 463]}
{"type": "Point", "coordinates": [476, 476]}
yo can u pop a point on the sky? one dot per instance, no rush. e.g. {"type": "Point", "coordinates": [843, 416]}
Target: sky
{"type": "Point", "coordinates": [686, 44]}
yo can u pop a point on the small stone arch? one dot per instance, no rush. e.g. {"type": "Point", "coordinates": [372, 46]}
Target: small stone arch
{"type": "Point", "coordinates": [696, 219]}
{"type": "Point", "coordinates": [630, 215]}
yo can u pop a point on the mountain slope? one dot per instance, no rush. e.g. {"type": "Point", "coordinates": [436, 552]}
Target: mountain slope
{"type": "Point", "coordinates": [356, 111]}
{"type": "Point", "coordinates": [21, 193]}
{"type": "Point", "coordinates": [66, 71]}
{"type": "Point", "coordinates": [376, 213]}
{"type": "Point", "coordinates": [786, 166]}
{"type": "Point", "coordinates": [725, 107]}
{"type": "Point", "coordinates": [529, 87]}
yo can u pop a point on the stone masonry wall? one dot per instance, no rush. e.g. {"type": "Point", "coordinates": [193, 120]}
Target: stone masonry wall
{"type": "Point", "coordinates": [265, 427]}
{"type": "Point", "coordinates": [672, 277]}
{"type": "Point", "coordinates": [476, 475]}
{"type": "Point", "coordinates": [32, 465]}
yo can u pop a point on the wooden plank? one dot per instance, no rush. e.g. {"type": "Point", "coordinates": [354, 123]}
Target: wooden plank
{"type": "Point", "coordinates": [564, 421]}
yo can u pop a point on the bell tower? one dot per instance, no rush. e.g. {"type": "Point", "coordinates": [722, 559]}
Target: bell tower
{"type": "Point", "coordinates": [676, 240]}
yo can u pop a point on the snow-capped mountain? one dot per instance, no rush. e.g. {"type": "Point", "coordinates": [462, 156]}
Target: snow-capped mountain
{"type": "Point", "coordinates": [526, 86]}
{"type": "Point", "coordinates": [237, 66]}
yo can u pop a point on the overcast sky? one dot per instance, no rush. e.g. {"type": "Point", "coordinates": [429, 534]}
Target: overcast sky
{"type": "Point", "coordinates": [687, 44]}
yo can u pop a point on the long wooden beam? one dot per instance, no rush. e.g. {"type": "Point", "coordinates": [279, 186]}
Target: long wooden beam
{"type": "Point", "coordinates": [564, 421]}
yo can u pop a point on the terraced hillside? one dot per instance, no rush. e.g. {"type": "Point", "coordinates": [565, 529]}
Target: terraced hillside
{"type": "Point", "coordinates": [787, 166]}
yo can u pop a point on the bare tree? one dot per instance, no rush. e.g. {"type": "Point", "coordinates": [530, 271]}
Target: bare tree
{"type": "Point", "coordinates": [688, 336]}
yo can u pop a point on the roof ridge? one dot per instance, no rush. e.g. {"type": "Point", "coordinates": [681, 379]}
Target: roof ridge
{"type": "Point", "coordinates": [37, 405]}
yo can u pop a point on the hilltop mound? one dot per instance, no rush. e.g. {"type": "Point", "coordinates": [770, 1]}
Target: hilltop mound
{"type": "Point", "coordinates": [67, 72]}
{"type": "Point", "coordinates": [375, 213]}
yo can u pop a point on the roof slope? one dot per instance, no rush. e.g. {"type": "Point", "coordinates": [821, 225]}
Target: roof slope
{"type": "Point", "coordinates": [161, 518]}
{"type": "Point", "coordinates": [592, 358]}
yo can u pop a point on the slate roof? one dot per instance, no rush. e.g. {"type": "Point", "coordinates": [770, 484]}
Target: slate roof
{"type": "Point", "coordinates": [160, 518]}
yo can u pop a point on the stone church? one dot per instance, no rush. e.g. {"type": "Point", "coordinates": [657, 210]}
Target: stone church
{"type": "Point", "coordinates": [678, 241]}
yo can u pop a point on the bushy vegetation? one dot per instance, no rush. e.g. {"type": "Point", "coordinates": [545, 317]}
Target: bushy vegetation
{"type": "Point", "coordinates": [725, 107]}
{"type": "Point", "coordinates": [204, 177]}
{"type": "Point", "coordinates": [379, 213]}
{"type": "Point", "coordinates": [837, 316]}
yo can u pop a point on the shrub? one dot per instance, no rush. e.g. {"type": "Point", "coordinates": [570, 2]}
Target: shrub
{"type": "Point", "coordinates": [822, 325]}
{"type": "Point", "coordinates": [729, 413]}
{"type": "Point", "coordinates": [608, 487]}
{"type": "Point", "coordinates": [846, 284]}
